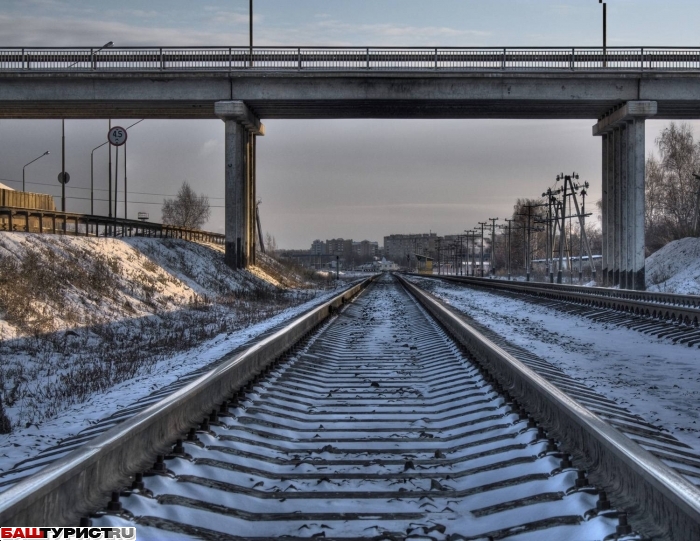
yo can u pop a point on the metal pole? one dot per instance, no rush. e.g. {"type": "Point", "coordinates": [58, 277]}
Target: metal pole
{"type": "Point", "coordinates": [562, 234]}
{"type": "Point", "coordinates": [580, 237]}
{"type": "Point", "coordinates": [482, 224]}
{"type": "Point", "coordinates": [30, 163]}
{"type": "Point", "coordinates": [125, 197]}
{"type": "Point", "coordinates": [116, 181]}
{"type": "Point", "coordinates": [250, 31]}
{"type": "Point", "coordinates": [492, 261]}
{"type": "Point", "coordinates": [63, 170]}
{"type": "Point", "coordinates": [509, 245]}
{"type": "Point", "coordinates": [474, 253]}
{"type": "Point", "coordinates": [529, 245]}
{"type": "Point", "coordinates": [605, 33]}
{"type": "Point", "coordinates": [92, 182]}
{"type": "Point", "coordinates": [109, 167]}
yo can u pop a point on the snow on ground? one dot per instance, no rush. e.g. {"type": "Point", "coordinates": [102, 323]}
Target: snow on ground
{"type": "Point", "coordinates": [675, 268]}
{"type": "Point", "coordinates": [26, 442]}
{"type": "Point", "coordinates": [653, 378]}
{"type": "Point", "coordinates": [68, 282]}
{"type": "Point", "coordinates": [81, 316]}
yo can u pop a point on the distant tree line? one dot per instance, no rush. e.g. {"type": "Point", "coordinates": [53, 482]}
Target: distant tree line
{"type": "Point", "coordinates": [672, 188]}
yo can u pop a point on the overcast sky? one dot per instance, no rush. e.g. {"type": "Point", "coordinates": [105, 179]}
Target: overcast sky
{"type": "Point", "coordinates": [333, 178]}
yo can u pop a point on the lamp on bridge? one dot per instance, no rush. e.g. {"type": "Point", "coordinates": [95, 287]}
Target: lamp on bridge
{"type": "Point", "coordinates": [35, 159]}
{"type": "Point", "coordinates": [92, 53]}
{"type": "Point", "coordinates": [605, 32]}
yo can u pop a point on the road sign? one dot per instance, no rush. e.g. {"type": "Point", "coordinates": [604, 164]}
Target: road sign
{"type": "Point", "coordinates": [117, 136]}
{"type": "Point", "coordinates": [60, 178]}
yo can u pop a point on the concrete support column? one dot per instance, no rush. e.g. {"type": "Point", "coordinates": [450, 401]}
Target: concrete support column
{"type": "Point", "coordinates": [234, 188]}
{"type": "Point", "coordinates": [638, 204]}
{"type": "Point", "coordinates": [253, 200]}
{"type": "Point", "coordinates": [241, 126]}
{"type": "Point", "coordinates": [623, 193]}
{"type": "Point", "coordinates": [623, 208]}
{"type": "Point", "coordinates": [617, 223]}
{"type": "Point", "coordinates": [608, 223]}
{"type": "Point", "coordinates": [604, 200]}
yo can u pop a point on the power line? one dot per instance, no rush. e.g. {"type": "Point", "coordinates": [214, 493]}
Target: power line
{"type": "Point", "coordinates": [136, 202]}
{"type": "Point", "coordinates": [96, 189]}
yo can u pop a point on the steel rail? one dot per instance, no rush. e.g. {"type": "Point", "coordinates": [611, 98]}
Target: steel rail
{"type": "Point", "coordinates": [79, 482]}
{"type": "Point", "coordinates": [663, 306]}
{"type": "Point", "coordinates": [226, 58]}
{"type": "Point", "coordinates": [661, 503]}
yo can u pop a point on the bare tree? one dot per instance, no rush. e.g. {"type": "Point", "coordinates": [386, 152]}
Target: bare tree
{"type": "Point", "coordinates": [655, 219]}
{"type": "Point", "coordinates": [270, 243]}
{"type": "Point", "coordinates": [187, 209]}
{"type": "Point", "coordinates": [672, 190]}
{"type": "Point", "coordinates": [680, 157]}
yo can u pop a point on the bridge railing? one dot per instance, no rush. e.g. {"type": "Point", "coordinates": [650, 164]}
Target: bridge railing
{"type": "Point", "coordinates": [86, 225]}
{"type": "Point", "coordinates": [449, 59]}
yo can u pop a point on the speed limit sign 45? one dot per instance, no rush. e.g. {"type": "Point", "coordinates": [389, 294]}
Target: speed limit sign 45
{"type": "Point", "coordinates": [117, 136]}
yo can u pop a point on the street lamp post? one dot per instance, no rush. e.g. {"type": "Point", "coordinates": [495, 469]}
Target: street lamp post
{"type": "Point", "coordinates": [605, 33]}
{"type": "Point", "coordinates": [35, 159]}
{"type": "Point", "coordinates": [250, 31]}
{"type": "Point", "coordinates": [92, 178]}
{"type": "Point", "coordinates": [92, 54]}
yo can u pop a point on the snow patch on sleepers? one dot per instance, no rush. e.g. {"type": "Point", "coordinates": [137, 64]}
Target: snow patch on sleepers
{"type": "Point", "coordinates": [419, 446]}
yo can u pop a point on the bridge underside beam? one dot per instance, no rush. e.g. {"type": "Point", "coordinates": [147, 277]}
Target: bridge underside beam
{"type": "Point", "coordinates": [241, 129]}
{"type": "Point", "coordinates": [338, 109]}
{"type": "Point", "coordinates": [623, 176]}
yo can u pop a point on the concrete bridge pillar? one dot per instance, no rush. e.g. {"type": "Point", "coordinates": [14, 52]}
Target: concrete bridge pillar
{"type": "Point", "coordinates": [623, 175]}
{"type": "Point", "coordinates": [241, 128]}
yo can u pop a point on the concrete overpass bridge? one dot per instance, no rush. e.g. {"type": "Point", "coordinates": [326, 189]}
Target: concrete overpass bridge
{"type": "Point", "coordinates": [617, 87]}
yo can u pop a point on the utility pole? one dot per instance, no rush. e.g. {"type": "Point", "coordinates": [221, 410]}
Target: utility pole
{"type": "Point", "coordinates": [492, 262]}
{"type": "Point", "coordinates": [529, 245]}
{"type": "Point", "coordinates": [109, 166]}
{"type": "Point", "coordinates": [482, 224]}
{"type": "Point", "coordinates": [509, 228]}
{"type": "Point", "coordinates": [438, 242]}
{"type": "Point", "coordinates": [469, 238]}
{"type": "Point", "coordinates": [63, 170]}
{"type": "Point", "coordinates": [562, 231]}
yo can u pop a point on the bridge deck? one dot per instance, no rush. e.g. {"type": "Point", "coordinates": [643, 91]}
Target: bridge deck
{"type": "Point", "coordinates": [305, 82]}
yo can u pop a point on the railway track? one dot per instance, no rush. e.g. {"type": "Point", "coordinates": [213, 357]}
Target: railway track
{"type": "Point", "coordinates": [665, 315]}
{"type": "Point", "coordinates": [393, 420]}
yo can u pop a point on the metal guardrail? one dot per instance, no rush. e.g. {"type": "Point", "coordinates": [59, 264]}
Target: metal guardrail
{"type": "Point", "coordinates": [87, 225]}
{"type": "Point", "coordinates": [450, 59]}
{"type": "Point", "coordinates": [81, 481]}
{"type": "Point", "coordinates": [661, 501]}
{"type": "Point", "coordinates": [664, 306]}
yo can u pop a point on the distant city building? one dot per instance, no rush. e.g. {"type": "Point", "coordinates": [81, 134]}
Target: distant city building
{"type": "Point", "coordinates": [399, 248]}
{"type": "Point", "coordinates": [365, 249]}
{"type": "Point", "coordinates": [318, 247]}
{"type": "Point", "coordinates": [339, 247]}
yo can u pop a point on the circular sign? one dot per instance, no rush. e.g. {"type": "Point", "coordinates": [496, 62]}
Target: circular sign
{"type": "Point", "coordinates": [117, 136]}
{"type": "Point", "coordinates": [60, 178]}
